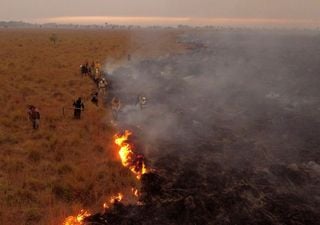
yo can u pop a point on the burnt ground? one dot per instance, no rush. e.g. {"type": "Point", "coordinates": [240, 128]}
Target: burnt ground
{"type": "Point", "coordinates": [231, 128]}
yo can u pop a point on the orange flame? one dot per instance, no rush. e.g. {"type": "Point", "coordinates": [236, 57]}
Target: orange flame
{"type": "Point", "coordinates": [77, 220]}
{"type": "Point", "coordinates": [135, 192]}
{"type": "Point", "coordinates": [113, 199]}
{"type": "Point", "coordinates": [128, 158]}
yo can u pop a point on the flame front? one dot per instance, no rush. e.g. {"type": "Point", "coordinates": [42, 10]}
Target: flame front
{"type": "Point", "coordinates": [135, 162]}
{"type": "Point", "coordinates": [77, 220]}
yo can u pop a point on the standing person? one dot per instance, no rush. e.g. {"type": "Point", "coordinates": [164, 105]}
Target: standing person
{"type": "Point", "coordinates": [34, 116]}
{"type": "Point", "coordinates": [142, 101]}
{"type": "Point", "coordinates": [84, 69]}
{"type": "Point", "coordinates": [97, 75]}
{"type": "Point", "coordinates": [102, 86]}
{"type": "Point", "coordinates": [78, 107]}
{"type": "Point", "coordinates": [95, 98]}
{"type": "Point", "coordinates": [115, 106]}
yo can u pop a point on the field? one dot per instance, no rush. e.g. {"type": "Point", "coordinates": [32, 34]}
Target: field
{"type": "Point", "coordinates": [66, 165]}
{"type": "Point", "coordinates": [229, 129]}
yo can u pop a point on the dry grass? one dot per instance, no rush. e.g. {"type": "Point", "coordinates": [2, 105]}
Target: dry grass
{"type": "Point", "coordinates": [48, 174]}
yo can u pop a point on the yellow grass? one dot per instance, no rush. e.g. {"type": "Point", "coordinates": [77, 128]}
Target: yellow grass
{"type": "Point", "coordinates": [66, 165]}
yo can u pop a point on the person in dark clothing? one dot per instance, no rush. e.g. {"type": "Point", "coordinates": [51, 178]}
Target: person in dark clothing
{"type": "Point", "coordinates": [84, 68]}
{"type": "Point", "coordinates": [78, 107]}
{"type": "Point", "coordinates": [87, 68]}
{"type": "Point", "coordinates": [95, 99]}
{"type": "Point", "coordinates": [34, 116]}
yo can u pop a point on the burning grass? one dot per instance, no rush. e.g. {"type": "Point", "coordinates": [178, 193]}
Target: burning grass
{"type": "Point", "coordinates": [129, 159]}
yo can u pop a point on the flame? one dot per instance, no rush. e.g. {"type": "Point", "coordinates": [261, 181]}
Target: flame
{"type": "Point", "coordinates": [135, 162]}
{"type": "Point", "coordinates": [135, 192]}
{"type": "Point", "coordinates": [113, 200]}
{"type": "Point", "coordinates": [77, 220]}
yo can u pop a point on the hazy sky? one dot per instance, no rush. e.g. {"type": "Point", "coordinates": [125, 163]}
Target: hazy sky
{"type": "Point", "coordinates": [276, 9]}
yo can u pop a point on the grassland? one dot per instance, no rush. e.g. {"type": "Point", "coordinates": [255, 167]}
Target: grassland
{"type": "Point", "coordinates": [48, 174]}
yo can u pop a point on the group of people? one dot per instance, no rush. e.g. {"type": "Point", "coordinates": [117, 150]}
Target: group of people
{"type": "Point", "coordinates": [94, 72]}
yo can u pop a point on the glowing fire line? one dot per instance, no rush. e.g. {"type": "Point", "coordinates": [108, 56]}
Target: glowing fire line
{"type": "Point", "coordinates": [129, 160]}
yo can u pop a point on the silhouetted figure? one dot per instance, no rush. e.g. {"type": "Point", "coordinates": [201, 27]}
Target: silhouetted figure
{"type": "Point", "coordinates": [95, 99]}
{"type": "Point", "coordinates": [78, 107]}
{"type": "Point", "coordinates": [34, 116]}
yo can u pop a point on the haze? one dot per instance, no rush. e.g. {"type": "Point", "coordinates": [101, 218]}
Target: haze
{"type": "Point", "coordinates": [301, 12]}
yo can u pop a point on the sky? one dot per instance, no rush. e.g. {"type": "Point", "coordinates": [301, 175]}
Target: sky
{"type": "Point", "coordinates": [301, 11]}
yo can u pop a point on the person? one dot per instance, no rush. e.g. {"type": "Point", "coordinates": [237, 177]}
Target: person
{"type": "Point", "coordinates": [84, 69]}
{"type": "Point", "coordinates": [34, 116]}
{"type": "Point", "coordinates": [102, 86]}
{"type": "Point", "coordinates": [115, 106]}
{"type": "Point", "coordinates": [78, 107]}
{"type": "Point", "coordinates": [89, 71]}
{"type": "Point", "coordinates": [97, 75]}
{"type": "Point", "coordinates": [142, 101]}
{"type": "Point", "coordinates": [95, 99]}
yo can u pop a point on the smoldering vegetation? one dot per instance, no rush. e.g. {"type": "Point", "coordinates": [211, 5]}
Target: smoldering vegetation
{"type": "Point", "coordinates": [231, 127]}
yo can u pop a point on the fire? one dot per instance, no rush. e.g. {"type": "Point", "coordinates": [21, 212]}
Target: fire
{"type": "Point", "coordinates": [77, 220]}
{"type": "Point", "coordinates": [129, 159]}
{"type": "Point", "coordinates": [113, 200]}
{"type": "Point", "coordinates": [135, 162]}
{"type": "Point", "coordinates": [135, 192]}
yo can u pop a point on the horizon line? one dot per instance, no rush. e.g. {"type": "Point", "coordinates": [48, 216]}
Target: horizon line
{"type": "Point", "coordinates": [193, 21]}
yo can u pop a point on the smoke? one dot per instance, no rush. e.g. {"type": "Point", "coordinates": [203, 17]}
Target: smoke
{"type": "Point", "coordinates": [253, 89]}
